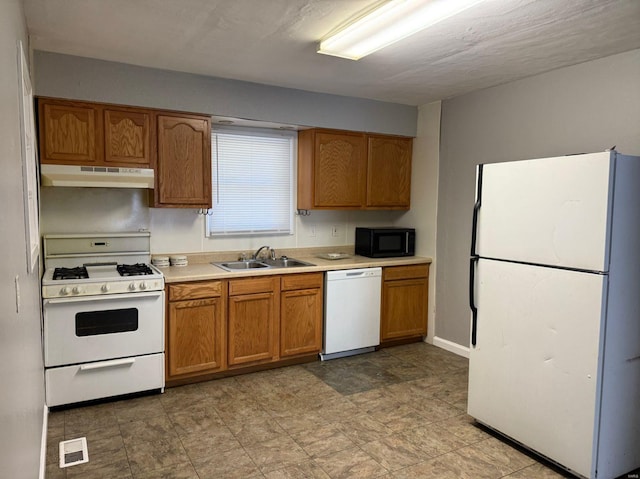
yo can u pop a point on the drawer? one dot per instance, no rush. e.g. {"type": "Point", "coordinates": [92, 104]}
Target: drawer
{"type": "Point", "coordinates": [301, 281]}
{"type": "Point", "coordinates": [391, 273]}
{"type": "Point", "coordinates": [196, 290]}
{"type": "Point", "coordinates": [83, 382]}
{"type": "Point", "coordinates": [265, 284]}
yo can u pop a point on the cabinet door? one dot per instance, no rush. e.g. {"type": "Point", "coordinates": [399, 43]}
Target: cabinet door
{"type": "Point", "coordinates": [195, 336]}
{"type": "Point", "coordinates": [127, 137]}
{"type": "Point", "coordinates": [184, 162]}
{"type": "Point", "coordinates": [404, 308]}
{"type": "Point", "coordinates": [69, 133]}
{"type": "Point", "coordinates": [389, 172]}
{"type": "Point", "coordinates": [252, 328]}
{"type": "Point", "coordinates": [339, 170]}
{"type": "Point", "coordinates": [300, 322]}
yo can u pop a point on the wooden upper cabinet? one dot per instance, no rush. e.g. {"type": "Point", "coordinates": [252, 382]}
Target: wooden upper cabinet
{"type": "Point", "coordinates": [351, 170]}
{"type": "Point", "coordinates": [69, 133]}
{"type": "Point", "coordinates": [331, 169]}
{"type": "Point", "coordinates": [389, 171]}
{"type": "Point", "coordinates": [128, 137]}
{"type": "Point", "coordinates": [339, 168]}
{"type": "Point", "coordinates": [94, 134]}
{"type": "Point", "coordinates": [183, 177]}
{"type": "Point", "coordinates": [177, 146]}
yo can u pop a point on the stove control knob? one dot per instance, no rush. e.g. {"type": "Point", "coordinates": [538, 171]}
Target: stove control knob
{"type": "Point", "coordinates": [143, 285]}
{"type": "Point", "coordinates": [77, 290]}
{"type": "Point", "coordinates": [65, 290]}
{"type": "Point", "coordinates": [132, 287]}
{"type": "Point", "coordinates": [105, 288]}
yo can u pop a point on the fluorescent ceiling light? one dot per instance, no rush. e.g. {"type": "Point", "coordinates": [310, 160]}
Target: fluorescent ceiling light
{"type": "Point", "coordinates": [393, 21]}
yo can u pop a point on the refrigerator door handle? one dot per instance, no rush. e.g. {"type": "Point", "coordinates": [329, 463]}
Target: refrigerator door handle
{"type": "Point", "coordinates": [476, 209]}
{"type": "Point", "coordinates": [472, 299]}
{"type": "Point", "coordinates": [474, 256]}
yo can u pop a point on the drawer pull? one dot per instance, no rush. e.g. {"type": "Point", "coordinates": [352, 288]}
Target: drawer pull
{"type": "Point", "coordinates": [108, 364]}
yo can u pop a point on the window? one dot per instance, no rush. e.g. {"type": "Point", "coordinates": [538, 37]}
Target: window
{"type": "Point", "coordinates": [252, 181]}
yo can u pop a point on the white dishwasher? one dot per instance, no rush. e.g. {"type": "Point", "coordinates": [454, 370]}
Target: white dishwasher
{"type": "Point", "coordinates": [351, 312]}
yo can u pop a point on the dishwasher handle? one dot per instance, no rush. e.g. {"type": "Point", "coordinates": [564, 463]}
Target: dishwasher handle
{"type": "Point", "coordinates": [349, 274]}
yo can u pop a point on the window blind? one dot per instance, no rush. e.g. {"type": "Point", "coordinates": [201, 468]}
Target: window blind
{"type": "Point", "coordinates": [251, 182]}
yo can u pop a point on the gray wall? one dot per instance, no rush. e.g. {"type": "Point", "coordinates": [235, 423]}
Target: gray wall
{"type": "Point", "coordinates": [584, 108]}
{"type": "Point", "coordinates": [21, 373]}
{"type": "Point", "coordinates": [80, 78]}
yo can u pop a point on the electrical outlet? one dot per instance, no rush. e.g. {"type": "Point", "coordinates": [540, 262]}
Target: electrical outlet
{"type": "Point", "coordinates": [334, 230]}
{"type": "Point", "coordinates": [312, 231]}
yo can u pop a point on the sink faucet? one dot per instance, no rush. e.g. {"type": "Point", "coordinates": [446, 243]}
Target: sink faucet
{"type": "Point", "coordinates": [255, 255]}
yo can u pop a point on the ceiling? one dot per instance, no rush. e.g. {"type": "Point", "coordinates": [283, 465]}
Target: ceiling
{"type": "Point", "coordinates": [274, 41]}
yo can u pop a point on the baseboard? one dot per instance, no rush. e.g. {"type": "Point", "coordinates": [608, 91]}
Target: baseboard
{"type": "Point", "coordinates": [451, 347]}
{"type": "Point", "coordinates": [43, 442]}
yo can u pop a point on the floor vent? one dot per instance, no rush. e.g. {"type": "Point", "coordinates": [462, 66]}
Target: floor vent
{"type": "Point", "coordinates": [73, 452]}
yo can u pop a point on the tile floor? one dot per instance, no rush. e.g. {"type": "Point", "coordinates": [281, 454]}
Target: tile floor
{"type": "Point", "coordinates": [397, 413]}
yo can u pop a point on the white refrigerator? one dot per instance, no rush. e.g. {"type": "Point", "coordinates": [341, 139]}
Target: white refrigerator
{"type": "Point", "coordinates": [555, 297]}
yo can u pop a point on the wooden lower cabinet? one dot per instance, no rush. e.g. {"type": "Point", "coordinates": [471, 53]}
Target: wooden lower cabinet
{"type": "Point", "coordinates": [405, 291]}
{"type": "Point", "coordinates": [195, 329]}
{"type": "Point", "coordinates": [253, 320]}
{"type": "Point", "coordinates": [215, 328]}
{"type": "Point", "coordinates": [301, 314]}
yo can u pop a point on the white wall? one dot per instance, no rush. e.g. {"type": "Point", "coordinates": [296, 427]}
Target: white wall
{"type": "Point", "coordinates": [21, 370]}
{"type": "Point", "coordinates": [178, 230]}
{"type": "Point", "coordinates": [424, 195]}
{"type": "Point", "coordinates": [584, 108]}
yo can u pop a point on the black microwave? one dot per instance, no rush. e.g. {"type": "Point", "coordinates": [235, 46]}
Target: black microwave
{"type": "Point", "coordinates": [385, 242]}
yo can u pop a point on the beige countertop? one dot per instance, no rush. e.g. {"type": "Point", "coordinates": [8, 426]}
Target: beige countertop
{"type": "Point", "coordinates": [197, 271]}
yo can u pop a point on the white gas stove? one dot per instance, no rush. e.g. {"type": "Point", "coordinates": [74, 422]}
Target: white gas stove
{"type": "Point", "coordinates": [103, 315]}
{"type": "Point", "coordinates": [90, 264]}
{"type": "Point", "coordinates": [95, 279]}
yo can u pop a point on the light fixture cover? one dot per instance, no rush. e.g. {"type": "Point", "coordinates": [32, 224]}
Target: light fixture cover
{"type": "Point", "coordinates": [393, 21]}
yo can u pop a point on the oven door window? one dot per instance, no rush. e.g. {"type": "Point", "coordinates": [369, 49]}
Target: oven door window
{"type": "Point", "coordinates": [111, 321]}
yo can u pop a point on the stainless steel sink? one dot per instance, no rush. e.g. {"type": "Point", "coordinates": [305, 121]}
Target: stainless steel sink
{"type": "Point", "coordinates": [285, 262]}
{"type": "Point", "coordinates": [282, 262]}
{"type": "Point", "coordinates": [239, 265]}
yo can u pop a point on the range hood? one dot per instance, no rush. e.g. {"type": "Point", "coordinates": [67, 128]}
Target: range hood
{"type": "Point", "coordinates": [96, 176]}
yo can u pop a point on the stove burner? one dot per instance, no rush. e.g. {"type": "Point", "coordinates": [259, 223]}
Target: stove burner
{"type": "Point", "coordinates": [79, 272]}
{"type": "Point", "coordinates": [133, 269]}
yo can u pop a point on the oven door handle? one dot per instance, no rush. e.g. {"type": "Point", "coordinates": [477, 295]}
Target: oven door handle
{"type": "Point", "coordinates": [77, 299]}
{"type": "Point", "coordinates": [108, 364]}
